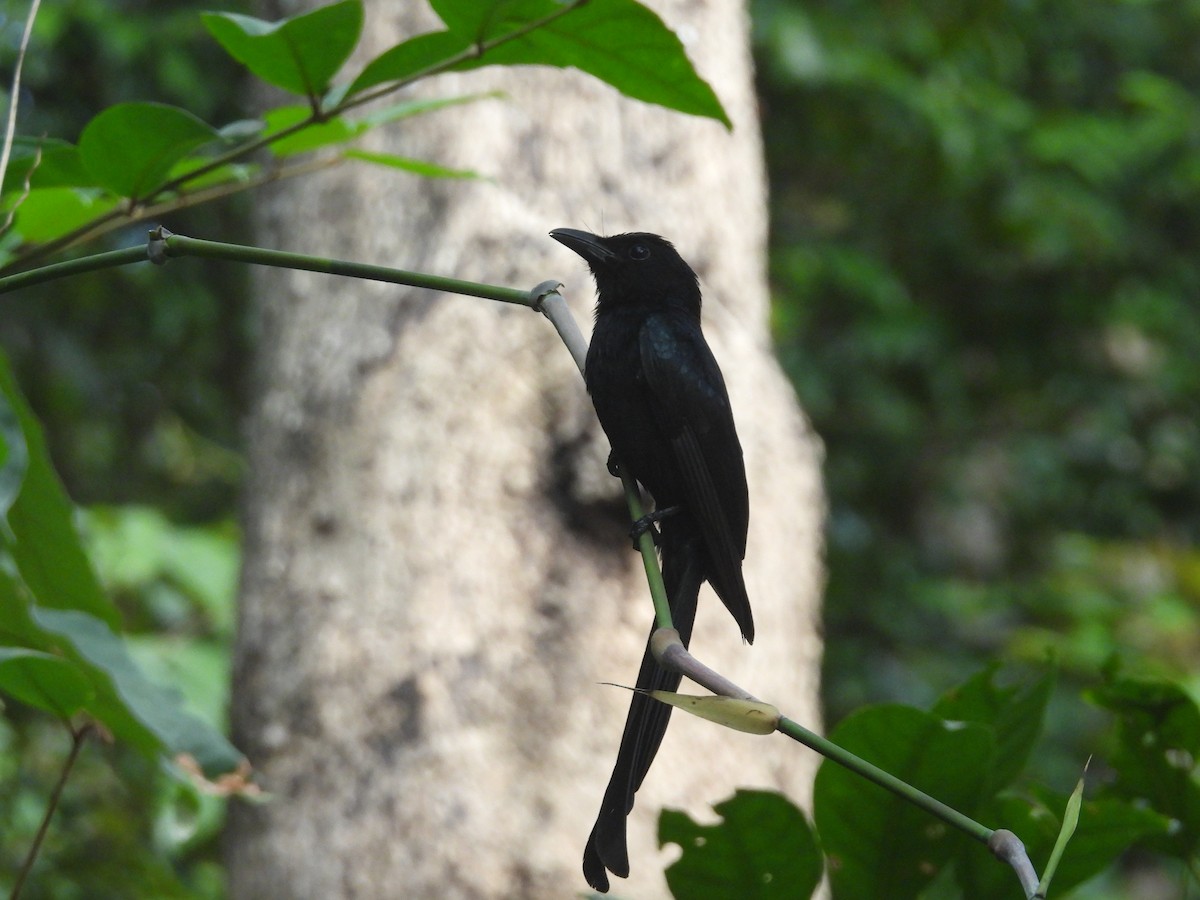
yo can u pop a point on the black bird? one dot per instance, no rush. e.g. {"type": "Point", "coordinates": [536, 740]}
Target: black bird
{"type": "Point", "coordinates": [661, 400]}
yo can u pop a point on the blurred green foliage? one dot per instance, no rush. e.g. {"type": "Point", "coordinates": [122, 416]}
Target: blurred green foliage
{"type": "Point", "coordinates": [983, 254]}
{"type": "Point", "coordinates": [138, 375]}
{"type": "Point", "coordinates": [985, 220]}
{"type": "Point", "coordinates": [124, 820]}
{"type": "Point", "coordinates": [138, 379]}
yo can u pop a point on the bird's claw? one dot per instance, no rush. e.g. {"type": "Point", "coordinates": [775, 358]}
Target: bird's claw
{"type": "Point", "coordinates": [647, 522]}
{"type": "Point", "coordinates": [642, 526]}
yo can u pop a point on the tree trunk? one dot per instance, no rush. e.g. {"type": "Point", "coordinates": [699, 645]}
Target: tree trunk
{"type": "Point", "coordinates": [437, 572]}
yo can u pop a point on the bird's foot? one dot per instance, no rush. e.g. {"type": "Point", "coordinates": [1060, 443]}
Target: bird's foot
{"type": "Point", "coordinates": [646, 524]}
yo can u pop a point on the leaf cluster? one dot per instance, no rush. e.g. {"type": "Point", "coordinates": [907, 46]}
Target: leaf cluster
{"type": "Point", "coordinates": [138, 159]}
{"type": "Point", "coordinates": [971, 751]}
{"type": "Point", "coordinates": [61, 648]}
{"type": "Point", "coordinates": [986, 298]}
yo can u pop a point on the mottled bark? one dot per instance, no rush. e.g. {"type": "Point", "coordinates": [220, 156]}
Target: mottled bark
{"type": "Point", "coordinates": [437, 573]}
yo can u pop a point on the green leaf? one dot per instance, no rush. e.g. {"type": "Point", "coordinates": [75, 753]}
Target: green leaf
{"type": "Point", "coordinates": [43, 681]}
{"type": "Point", "coordinates": [321, 134]}
{"type": "Point", "coordinates": [136, 547]}
{"type": "Point", "coordinates": [241, 130]}
{"type": "Point", "coordinates": [1107, 828]}
{"type": "Point", "coordinates": [199, 668]}
{"type": "Point", "coordinates": [762, 848]}
{"type": "Point", "coordinates": [416, 166]}
{"type": "Point", "coordinates": [45, 162]}
{"type": "Point", "coordinates": [17, 627]}
{"type": "Point", "coordinates": [620, 42]}
{"type": "Point", "coordinates": [1153, 713]}
{"type": "Point", "coordinates": [1013, 713]}
{"type": "Point", "coordinates": [409, 58]}
{"type": "Point", "coordinates": [48, 213]}
{"type": "Point", "coordinates": [338, 130]}
{"type": "Point", "coordinates": [410, 108]}
{"type": "Point", "coordinates": [877, 844]}
{"type": "Point", "coordinates": [1070, 822]}
{"type": "Point", "coordinates": [147, 716]}
{"type": "Point", "coordinates": [478, 21]}
{"type": "Point", "coordinates": [42, 540]}
{"type": "Point", "coordinates": [1158, 742]}
{"type": "Point", "coordinates": [15, 458]}
{"type": "Point", "coordinates": [300, 54]}
{"type": "Point", "coordinates": [231, 173]}
{"type": "Point", "coordinates": [129, 148]}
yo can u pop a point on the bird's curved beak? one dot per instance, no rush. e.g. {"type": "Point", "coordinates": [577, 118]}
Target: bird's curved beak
{"type": "Point", "coordinates": [586, 244]}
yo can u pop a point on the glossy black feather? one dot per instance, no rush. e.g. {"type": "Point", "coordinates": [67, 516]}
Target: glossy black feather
{"type": "Point", "coordinates": [662, 401]}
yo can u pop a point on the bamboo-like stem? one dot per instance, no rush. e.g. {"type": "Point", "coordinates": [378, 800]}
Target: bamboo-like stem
{"type": "Point", "coordinates": [859, 766]}
{"type": "Point", "coordinates": [165, 245]}
{"type": "Point", "coordinates": [72, 267]}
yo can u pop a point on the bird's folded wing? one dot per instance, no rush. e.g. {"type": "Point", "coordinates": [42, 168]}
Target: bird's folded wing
{"type": "Point", "coordinates": [693, 407]}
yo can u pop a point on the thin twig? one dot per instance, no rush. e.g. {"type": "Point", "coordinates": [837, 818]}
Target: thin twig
{"type": "Point", "coordinates": [25, 188]}
{"type": "Point", "coordinates": [78, 736]}
{"type": "Point", "coordinates": [10, 130]}
{"type": "Point", "coordinates": [124, 216]}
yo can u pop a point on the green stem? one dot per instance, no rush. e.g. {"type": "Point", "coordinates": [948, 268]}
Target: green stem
{"type": "Point", "coordinates": [73, 267]}
{"type": "Point", "coordinates": [78, 736]}
{"type": "Point", "coordinates": [658, 590]}
{"type": "Point", "coordinates": [175, 245]}
{"type": "Point", "coordinates": [845, 758]}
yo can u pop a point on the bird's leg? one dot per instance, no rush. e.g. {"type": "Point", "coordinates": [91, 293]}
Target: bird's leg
{"type": "Point", "coordinates": [647, 523]}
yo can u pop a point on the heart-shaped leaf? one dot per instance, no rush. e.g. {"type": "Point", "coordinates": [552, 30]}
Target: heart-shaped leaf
{"type": "Point", "coordinates": [129, 148]}
{"type": "Point", "coordinates": [300, 54]}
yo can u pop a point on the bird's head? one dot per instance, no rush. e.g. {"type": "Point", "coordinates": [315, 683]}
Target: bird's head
{"type": "Point", "coordinates": [635, 269]}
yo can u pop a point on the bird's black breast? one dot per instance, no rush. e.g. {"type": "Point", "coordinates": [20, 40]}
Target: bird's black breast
{"type": "Point", "coordinates": [624, 404]}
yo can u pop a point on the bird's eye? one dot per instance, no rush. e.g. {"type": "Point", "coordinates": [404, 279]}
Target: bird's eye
{"type": "Point", "coordinates": [639, 251]}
